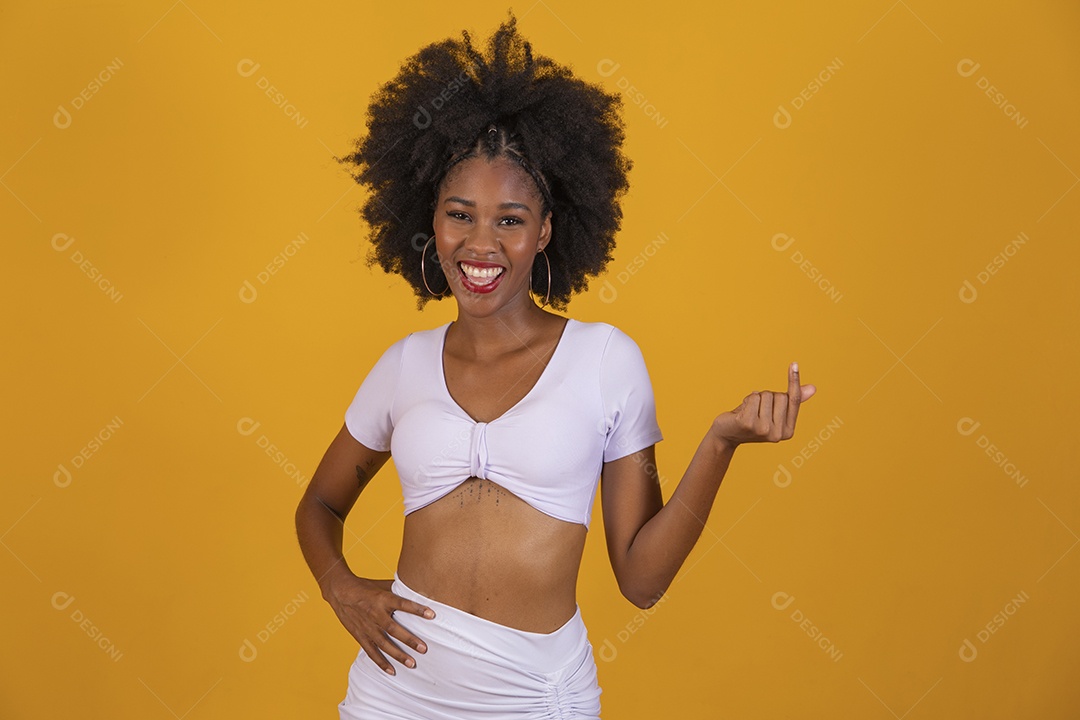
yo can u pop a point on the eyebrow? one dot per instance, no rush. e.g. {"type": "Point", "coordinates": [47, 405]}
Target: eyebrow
{"type": "Point", "coordinates": [502, 206]}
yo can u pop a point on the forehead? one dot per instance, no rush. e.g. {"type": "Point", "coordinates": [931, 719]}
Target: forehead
{"type": "Point", "coordinates": [489, 175]}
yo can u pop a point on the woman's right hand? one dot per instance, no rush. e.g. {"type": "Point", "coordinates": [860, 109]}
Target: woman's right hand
{"type": "Point", "coordinates": [366, 608]}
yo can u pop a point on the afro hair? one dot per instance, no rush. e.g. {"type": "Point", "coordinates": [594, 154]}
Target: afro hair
{"type": "Point", "coordinates": [567, 134]}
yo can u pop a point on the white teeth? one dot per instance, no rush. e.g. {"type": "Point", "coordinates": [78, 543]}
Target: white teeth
{"type": "Point", "coordinates": [476, 272]}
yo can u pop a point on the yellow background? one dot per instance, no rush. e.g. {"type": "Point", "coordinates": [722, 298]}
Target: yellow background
{"type": "Point", "coordinates": [897, 537]}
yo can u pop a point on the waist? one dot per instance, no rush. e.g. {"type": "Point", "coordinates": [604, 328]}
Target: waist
{"type": "Point", "coordinates": [507, 563]}
{"type": "Point", "coordinates": [482, 638]}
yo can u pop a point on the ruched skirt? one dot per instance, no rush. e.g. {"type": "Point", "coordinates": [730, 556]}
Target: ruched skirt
{"type": "Point", "coordinates": [476, 668]}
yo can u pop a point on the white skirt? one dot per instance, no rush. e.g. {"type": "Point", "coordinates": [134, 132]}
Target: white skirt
{"type": "Point", "coordinates": [476, 668]}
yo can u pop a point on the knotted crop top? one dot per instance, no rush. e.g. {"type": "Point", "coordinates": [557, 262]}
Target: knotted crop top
{"type": "Point", "coordinates": [592, 404]}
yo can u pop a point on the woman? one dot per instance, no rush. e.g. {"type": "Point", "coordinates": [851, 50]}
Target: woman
{"type": "Point", "coordinates": [503, 422]}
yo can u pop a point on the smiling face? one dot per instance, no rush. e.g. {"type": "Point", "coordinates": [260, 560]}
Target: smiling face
{"type": "Point", "coordinates": [488, 230]}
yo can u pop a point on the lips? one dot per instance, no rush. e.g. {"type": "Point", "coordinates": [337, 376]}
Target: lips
{"type": "Point", "coordinates": [480, 277]}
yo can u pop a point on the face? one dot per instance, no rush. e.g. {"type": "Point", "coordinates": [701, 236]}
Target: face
{"type": "Point", "coordinates": [488, 230]}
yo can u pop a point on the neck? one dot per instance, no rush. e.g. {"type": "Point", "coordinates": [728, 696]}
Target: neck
{"type": "Point", "coordinates": [506, 329]}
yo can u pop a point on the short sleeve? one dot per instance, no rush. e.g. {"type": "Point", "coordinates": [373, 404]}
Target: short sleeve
{"type": "Point", "coordinates": [629, 406]}
{"type": "Point", "coordinates": [368, 417]}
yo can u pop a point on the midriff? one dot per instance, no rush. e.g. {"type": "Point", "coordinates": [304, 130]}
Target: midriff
{"type": "Point", "coordinates": [484, 550]}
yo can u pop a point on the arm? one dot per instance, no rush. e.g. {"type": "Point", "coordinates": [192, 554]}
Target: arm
{"type": "Point", "coordinates": [649, 541]}
{"type": "Point", "coordinates": [341, 476]}
{"type": "Point", "coordinates": [365, 607]}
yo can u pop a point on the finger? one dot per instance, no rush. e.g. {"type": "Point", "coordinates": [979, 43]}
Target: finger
{"type": "Point", "coordinates": [779, 417]}
{"type": "Point", "coordinates": [392, 649]}
{"type": "Point", "coordinates": [417, 609]}
{"type": "Point", "coordinates": [742, 406]}
{"type": "Point", "coordinates": [403, 634]}
{"type": "Point", "coordinates": [765, 409]}
{"type": "Point", "coordinates": [794, 399]}
{"type": "Point", "coordinates": [751, 405]}
{"type": "Point", "coordinates": [372, 651]}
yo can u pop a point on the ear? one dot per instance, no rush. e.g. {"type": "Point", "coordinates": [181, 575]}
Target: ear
{"type": "Point", "coordinates": [545, 234]}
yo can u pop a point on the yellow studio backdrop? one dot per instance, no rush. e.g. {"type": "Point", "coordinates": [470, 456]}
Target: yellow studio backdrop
{"type": "Point", "coordinates": [885, 192]}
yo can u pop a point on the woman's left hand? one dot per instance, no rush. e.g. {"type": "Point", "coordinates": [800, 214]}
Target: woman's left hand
{"type": "Point", "coordinates": [764, 416]}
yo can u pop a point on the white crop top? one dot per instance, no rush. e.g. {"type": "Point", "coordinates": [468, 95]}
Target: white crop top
{"type": "Point", "coordinates": [592, 404]}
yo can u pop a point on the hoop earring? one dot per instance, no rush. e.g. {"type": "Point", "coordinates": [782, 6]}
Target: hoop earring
{"type": "Point", "coordinates": [547, 298]}
{"type": "Point", "coordinates": [423, 273]}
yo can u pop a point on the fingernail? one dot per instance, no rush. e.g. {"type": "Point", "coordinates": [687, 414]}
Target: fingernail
{"type": "Point", "coordinates": [795, 366]}
{"type": "Point", "coordinates": [390, 671]}
{"type": "Point", "coordinates": [422, 647]}
{"type": "Point", "coordinates": [410, 662]}
{"type": "Point", "coordinates": [429, 614]}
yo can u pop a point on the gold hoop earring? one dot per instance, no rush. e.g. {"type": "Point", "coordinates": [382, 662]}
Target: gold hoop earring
{"type": "Point", "coordinates": [547, 298]}
{"type": "Point", "coordinates": [423, 273]}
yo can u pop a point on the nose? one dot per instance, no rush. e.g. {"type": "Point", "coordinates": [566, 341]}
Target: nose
{"type": "Point", "coordinates": [483, 239]}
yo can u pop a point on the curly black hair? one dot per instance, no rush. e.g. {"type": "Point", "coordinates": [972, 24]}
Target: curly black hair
{"type": "Point", "coordinates": [566, 133]}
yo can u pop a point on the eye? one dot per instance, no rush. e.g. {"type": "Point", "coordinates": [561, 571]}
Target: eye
{"type": "Point", "coordinates": [514, 220]}
{"type": "Point", "coordinates": [457, 215]}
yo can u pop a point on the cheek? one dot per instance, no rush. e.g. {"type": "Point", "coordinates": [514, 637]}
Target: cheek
{"type": "Point", "coordinates": [525, 253]}
{"type": "Point", "coordinates": [439, 225]}
{"type": "Point", "coordinates": [444, 244]}
{"type": "Point", "coordinates": [445, 236]}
